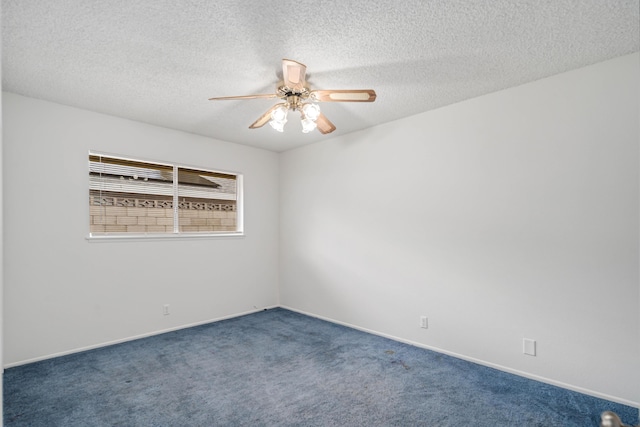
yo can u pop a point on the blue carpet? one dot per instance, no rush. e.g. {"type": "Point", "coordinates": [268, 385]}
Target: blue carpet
{"type": "Point", "coordinates": [280, 368]}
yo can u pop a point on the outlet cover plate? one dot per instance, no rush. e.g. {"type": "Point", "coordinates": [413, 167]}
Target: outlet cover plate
{"type": "Point", "coordinates": [529, 346]}
{"type": "Point", "coordinates": [424, 322]}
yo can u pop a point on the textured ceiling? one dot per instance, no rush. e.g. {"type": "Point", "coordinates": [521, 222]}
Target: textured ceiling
{"type": "Point", "coordinates": [158, 61]}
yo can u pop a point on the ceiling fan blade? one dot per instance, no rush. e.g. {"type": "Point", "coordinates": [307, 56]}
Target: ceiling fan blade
{"type": "Point", "coordinates": [347, 95]}
{"type": "Point", "coordinates": [293, 74]}
{"type": "Point", "coordinates": [222, 98]}
{"type": "Point", "coordinates": [265, 117]}
{"type": "Point", "coordinates": [324, 125]}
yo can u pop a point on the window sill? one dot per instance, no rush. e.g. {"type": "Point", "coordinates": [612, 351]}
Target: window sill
{"type": "Point", "coordinates": [160, 236]}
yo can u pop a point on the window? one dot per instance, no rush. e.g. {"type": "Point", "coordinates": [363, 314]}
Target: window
{"type": "Point", "coordinates": [130, 197]}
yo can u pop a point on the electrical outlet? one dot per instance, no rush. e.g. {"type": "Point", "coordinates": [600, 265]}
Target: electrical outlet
{"type": "Point", "coordinates": [165, 309]}
{"type": "Point", "coordinates": [529, 346]}
{"type": "Point", "coordinates": [424, 322]}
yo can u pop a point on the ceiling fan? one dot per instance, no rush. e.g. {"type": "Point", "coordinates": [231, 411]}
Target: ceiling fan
{"type": "Point", "coordinates": [297, 96]}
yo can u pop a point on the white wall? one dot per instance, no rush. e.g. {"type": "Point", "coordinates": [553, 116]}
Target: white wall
{"type": "Point", "coordinates": [1, 260]}
{"type": "Point", "coordinates": [64, 293]}
{"type": "Point", "coordinates": [507, 216]}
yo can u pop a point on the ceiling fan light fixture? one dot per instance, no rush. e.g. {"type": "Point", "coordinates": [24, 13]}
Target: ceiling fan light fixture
{"type": "Point", "coordinates": [280, 114]}
{"type": "Point", "coordinates": [308, 125]}
{"type": "Point", "coordinates": [277, 125]}
{"type": "Point", "coordinates": [311, 111]}
{"type": "Point", "coordinates": [279, 118]}
{"type": "Point", "coordinates": [294, 93]}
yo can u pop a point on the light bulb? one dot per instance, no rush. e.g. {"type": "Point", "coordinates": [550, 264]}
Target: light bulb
{"type": "Point", "coordinates": [308, 125]}
{"type": "Point", "coordinates": [311, 111]}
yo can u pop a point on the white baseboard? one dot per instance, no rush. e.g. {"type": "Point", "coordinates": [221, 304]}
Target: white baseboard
{"type": "Point", "coordinates": [413, 343]}
{"type": "Point", "coordinates": [478, 361]}
{"type": "Point", "coordinates": [132, 338]}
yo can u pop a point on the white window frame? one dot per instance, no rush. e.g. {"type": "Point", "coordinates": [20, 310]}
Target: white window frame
{"type": "Point", "coordinates": [176, 234]}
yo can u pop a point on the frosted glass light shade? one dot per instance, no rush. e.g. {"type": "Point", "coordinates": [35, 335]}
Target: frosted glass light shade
{"type": "Point", "coordinates": [311, 111]}
{"type": "Point", "coordinates": [277, 125]}
{"type": "Point", "coordinates": [279, 114]}
{"type": "Point", "coordinates": [308, 125]}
